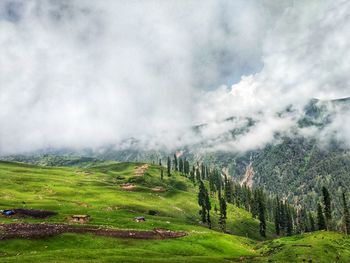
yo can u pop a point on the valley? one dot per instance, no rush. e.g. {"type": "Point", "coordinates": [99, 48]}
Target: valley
{"type": "Point", "coordinates": [96, 191]}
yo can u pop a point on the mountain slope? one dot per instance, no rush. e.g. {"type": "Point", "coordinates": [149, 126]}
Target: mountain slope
{"type": "Point", "coordinates": [99, 191]}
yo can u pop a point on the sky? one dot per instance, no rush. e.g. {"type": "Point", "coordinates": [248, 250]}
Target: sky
{"type": "Point", "coordinates": [86, 74]}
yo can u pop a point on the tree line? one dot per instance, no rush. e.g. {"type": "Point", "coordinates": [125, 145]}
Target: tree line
{"type": "Point", "coordinates": [287, 218]}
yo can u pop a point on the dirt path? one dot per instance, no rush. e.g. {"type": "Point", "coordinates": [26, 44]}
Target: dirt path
{"type": "Point", "coordinates": [140, 171]}
{"type": "Point", "coordinates": [29, 231]}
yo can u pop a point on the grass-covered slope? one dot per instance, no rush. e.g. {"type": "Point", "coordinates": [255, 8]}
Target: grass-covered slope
{"type": "Point", "coordinates": [97, 191]}
{"type": "Point", "coordinates": [312, 247]}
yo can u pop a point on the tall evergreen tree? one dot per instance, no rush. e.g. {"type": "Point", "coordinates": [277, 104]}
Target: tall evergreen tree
{"type": "Point", "coordinates": [204, 203]}
{"type": "Point", "coordinates": [254, 202]}
{"type": "Point", "coordinates": [161, 169]}
{"type": "Point", "coordinates": [277, 216]}
{"type": "Point", "coordinates": [203, 171]}
{"type": "Point", "coordinates": [169, 166]}
{"type": "Point", "coordinates": [283, 217]}
{"type": "Point", "coordinates": [175, 163]}
{"type": "Point", "coordinates": [346, 215]}
{"type": "Point", "coordinates": [197, 174]}
{"type": "Point", "coordinates": [312, 222]}
{"type": "Point", "coordinates": [321, 224]}
{"type": "Point", "coordinates": [327, 207]}
{"type": "Point", "coordinates": [223, 216]}
{"type": "Point", "coordinates": [289, 220]}
{"type": "Point", "coordinates": [181, 166]}
{"type": "Point", "coordinates": [187, 167]}
{"type": "Point", "coordinates": [228, 189]}
{"type": "Point", "coordinates": [192, 175]}
{"type": "Point", "coordinates": [262, 214]}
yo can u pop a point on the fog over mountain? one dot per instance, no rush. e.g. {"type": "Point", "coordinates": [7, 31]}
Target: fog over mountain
{"type": "Point", "coordinates": [86, 74]}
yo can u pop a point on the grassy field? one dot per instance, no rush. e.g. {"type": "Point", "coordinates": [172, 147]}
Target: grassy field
{"type": "Point", "coordinates": [97, 191]}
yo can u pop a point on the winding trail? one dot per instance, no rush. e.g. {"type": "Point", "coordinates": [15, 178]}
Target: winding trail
{"type": "Point", "coordinates": [35, 231]}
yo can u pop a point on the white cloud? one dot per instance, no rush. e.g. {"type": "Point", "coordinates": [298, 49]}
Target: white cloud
{"type": "Point", "coordinates": [305, 56]}
{"type": "Point", "coordinates": [91, 73]}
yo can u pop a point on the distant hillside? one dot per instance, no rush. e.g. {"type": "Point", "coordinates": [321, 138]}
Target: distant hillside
{"type": "Point", "coordinates": [294, 167]}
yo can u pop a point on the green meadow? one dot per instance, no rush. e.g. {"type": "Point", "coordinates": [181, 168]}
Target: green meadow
{"type": "Point", "coordinates": [97, 191]}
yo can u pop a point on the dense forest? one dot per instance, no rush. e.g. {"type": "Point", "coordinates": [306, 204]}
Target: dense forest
{"type": "Point", "coordinates": [288, 217]}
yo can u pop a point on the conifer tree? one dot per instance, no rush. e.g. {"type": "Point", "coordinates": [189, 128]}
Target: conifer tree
{"type": "Point", "coordinates": [181, 166]}
{"type": "Point", "coordinates": [223, 216]}
{"type": "Point", "coordinates": [312, 222]}
{"type": "Point", "coordinates": [161, 169]}
{"type": "Point", "coordinates": [262, 214]}
{"type": "Point", "coordinates": [192, 175]}
{"type": "Point", "coordinates": [197, 174]}
{"type": "Point", "coordinates": [254, 203]}
{"type": "Point", "coordinates": [203, 171]}
{"type": "Point", "coordinates": [204, 203]}
{"type": "Point", "coordinates": [346, 216]}
{"type": "Point", "coordinates": [228, 190]}
{"type": "Point", "coordinates": [283, 218]}
{"type": "Point", "coordinates": [277, 216]}
{"type": "Point", "coordinates": [169, 166]}
{"type": "Point", "coordinates": [186, 167]}
{"type": "Point", "coordinates": [321, 224]}
{"type": "Point", "coordinates": [175, 163]}
{"type": "Point", "coordinates": [289, 221]}
{"type": "Point", "coordinates": [327, 208]}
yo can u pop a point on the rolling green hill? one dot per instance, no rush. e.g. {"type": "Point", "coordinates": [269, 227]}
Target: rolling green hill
{"type": "Point", "coordinates": [100, 191]}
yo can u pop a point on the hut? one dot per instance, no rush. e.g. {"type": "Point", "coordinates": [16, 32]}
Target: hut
{"type": "Point", "coordinates": [139, 219]}
{"type": "Point", "coordinates": [82, 219]}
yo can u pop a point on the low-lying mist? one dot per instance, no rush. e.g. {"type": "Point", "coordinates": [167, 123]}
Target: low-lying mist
{"type": "Point", "coordinates": [221, 75]}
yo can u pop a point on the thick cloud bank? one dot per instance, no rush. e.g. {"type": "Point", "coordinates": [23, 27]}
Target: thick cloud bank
{"type": "Point", "coordinates": [92, 73]}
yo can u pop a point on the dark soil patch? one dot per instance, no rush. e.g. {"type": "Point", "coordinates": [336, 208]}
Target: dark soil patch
{"type": "Point", "coordinates": [29, 231]}
{"type": "Point", "coordinates": [34, 213]}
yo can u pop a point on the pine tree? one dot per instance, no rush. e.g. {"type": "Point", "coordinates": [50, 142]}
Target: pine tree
{"type": "Point", "coordinates": [302, 221]}
{"type": "Point", "coordinates": [197, 174]}
{"type": "Point", "coordinates": [289, 220]}
{"type": "Point", "coordinates": [283, 218]}
{"type": "Point", "coordinates": [262, 214]}
{"type": "Point", "coordinates": [203, 171]}
{"type": "Point", "coordinates": [327, 207]}
{"type": "Point", "coordinates": [201, 202]}
{"type": "Point", "coordinates": [192, 175]}
{"type": "Point", "coordinates": [277, 216]}
{"type": "Point", "coordinates": [175, 163]}
{"type": "Point", "coordinates": [204, 203]}
{"type": "Point", "coordinates": [346, 216]}
{"type": "Point", "coordinates": [223, 216]}
{"type": "Point", "coordinates": [161, 169]}
{"type": "Point", "coordinates": [228, 190]}
{"type": "Point", "coordinates": [181, 166]}
{"type": "Point", "coordinates": [169, 166]}
{"type": "Point", "coordinates": [254, 202]}
{"type": "Point", "coordinates": [312, 223]}
{"type": "Point", "coordinates": [321, 224]}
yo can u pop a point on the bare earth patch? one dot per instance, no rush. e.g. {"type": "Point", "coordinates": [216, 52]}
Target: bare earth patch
{"type": "Point", "coordinates": [29, 231]}
{"type": "Point", "coordinates": [128, 186]}
{"type": "Point", "coordinates": [159, 189]}
{"type": "Point", "coordinates": [31, 213]}
{"type": "Point", "coordinates": [140, 171]}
